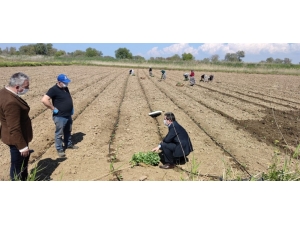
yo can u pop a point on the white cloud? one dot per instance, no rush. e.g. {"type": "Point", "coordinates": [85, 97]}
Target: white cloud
{"type": "Point", "coordinates": [212, 48]}
{"type": "Point", "coordinates": [205, 50]}
{"type": "Point", "coordinates": [179, 49]}
{"type": "Point", "coordinates": [154, 52]}
{"type": "Point", "coordinates": [172, 50]}
{"type": "Point", "coordinates": [250, 48]}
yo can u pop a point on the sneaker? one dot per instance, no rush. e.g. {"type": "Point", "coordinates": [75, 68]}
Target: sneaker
{"type": "Point", "coordinates": [73, 147]}
{"type": "Point", "coordinates": [61, 154]}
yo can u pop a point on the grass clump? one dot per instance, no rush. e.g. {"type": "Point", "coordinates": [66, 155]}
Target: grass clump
{"type": "Point", "coordinates": [148, 158]}
{"type": "Point", "coordinates": [281, 172]}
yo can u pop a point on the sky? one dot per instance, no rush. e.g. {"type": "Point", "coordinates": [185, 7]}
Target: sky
{"type": "Point", "coordinates": [157, 28]}
{"type": "Point", "coordinates": [254, 52]}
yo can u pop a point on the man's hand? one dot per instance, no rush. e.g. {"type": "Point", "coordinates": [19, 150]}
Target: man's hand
{"type": "Point", "coordinates": [25, 153]}
{"type": "Point", "coordinates": [55, 111]}
{"type": "Point", "coordinates": [155, 149]}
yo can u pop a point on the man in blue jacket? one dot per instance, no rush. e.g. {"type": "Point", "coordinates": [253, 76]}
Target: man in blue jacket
{"type": "Point", "coordinates": [176, 144]}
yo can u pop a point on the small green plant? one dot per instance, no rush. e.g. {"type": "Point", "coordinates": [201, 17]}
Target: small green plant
{"type": "Point", "coordinates": [194, 171]}
{"type": "Point", "coordinates": [32, 175]}
{"type": "Point", "coordinates": [179, 84]}
{"type": "Point", "coordinates": [149, 158]}
{"type": "Point", "coordinates": [276, 172]}
{"type": "Point", "coordinates": [296, 152]}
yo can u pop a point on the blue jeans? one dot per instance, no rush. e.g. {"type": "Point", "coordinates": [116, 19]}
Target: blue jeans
{"type": "Point", "coordinates": [63, 131]}
{"type": "Point", "coordinates": [19, 165]}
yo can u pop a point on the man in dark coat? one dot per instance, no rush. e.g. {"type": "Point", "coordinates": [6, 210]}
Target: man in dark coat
{"type": "Point", "coordinates": [176, 144]}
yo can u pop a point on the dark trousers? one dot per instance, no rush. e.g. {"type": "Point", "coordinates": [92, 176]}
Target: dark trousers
{"type": "Point", "coordinates": [19, 165]}
{"type": "Point", "coordinates": [168, 150]}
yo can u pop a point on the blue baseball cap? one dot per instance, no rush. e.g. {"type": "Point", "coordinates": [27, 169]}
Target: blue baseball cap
{"type": "Point", "coordinates": [63, 78]}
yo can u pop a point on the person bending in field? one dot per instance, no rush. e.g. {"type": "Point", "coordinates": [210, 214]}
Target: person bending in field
{"type": "Point", "coordinates": [150, 72]}
{"type": "Point", "coordinates": [176, 144]}
{"type": "Point", "coordinates": [163, 75]}
{"type": "Point", "coordinates": [186, 76]}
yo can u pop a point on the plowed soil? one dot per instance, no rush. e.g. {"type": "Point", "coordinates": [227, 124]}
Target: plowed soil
{"type": "Point", "coordinates": [233, 122]}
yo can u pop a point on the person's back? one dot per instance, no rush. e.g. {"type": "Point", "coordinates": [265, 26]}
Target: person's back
{"type": "Point", "coordinates": [182, 140]}
{"type": "Point", "coordinates": [163, 74]}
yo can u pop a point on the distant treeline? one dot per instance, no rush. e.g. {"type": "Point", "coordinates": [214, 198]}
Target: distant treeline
{"type": "Point", "coordinates": [124, 53]}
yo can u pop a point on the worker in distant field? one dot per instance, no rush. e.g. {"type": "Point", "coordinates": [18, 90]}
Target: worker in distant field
{"type": "Point", "coordinates": [163, 75]}
{"type": "Point", "coordinates": [186, 76]}
{"type": "Point", "coordinates": [192, 78]}
{"type": "Point", "coordinates": [150, 71]}
{"type": "Point", "coordinates": [131, 72]}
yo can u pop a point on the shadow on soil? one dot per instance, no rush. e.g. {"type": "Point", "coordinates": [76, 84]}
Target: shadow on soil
{"type": "Point", "coordinates": [46, 167]}
{"type": "Point", "coordinates": [77, 137]}
{"type": "Point", "coordinates": [276, 125]}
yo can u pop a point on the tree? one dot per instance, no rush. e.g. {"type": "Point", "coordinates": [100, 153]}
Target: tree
{"type": "Point", "coordinates": [60, 53]}
{"type": "Point", "coordinates": [205, 60]}
{"type": "Point", "coordinates": [27, 50]}
{"type": "Point", "coordinates": [50, 50]}
{"type": "Point", "coordinates": [175, 57]}
{"type": "Point", "coordinates": [278, 61]}
{"type": "Point", "coordinates": [270, 60]}
{"type": "Point", "coordinates": [138, 57]}
{"type": "Point", "coordinates": [123, 53]}
{"type": "Point", "coordinates": [214, 58]}
{"type": "Point", "coordinates": [230, 57]}
{"type": "Point", "coordinates": [234, 57]}
{"type": "Point", "coordinates": [91, 52]}
{"type": "Point", "coordinates": [287, 61]}
{"type": "Point", "coordinates": [12, 50]}
{"type": "Point", "coordinates": [187, 56]}
{"type": "Point", "coordinates": [5, 51]}
{"type": "Point", "coordinates": [240, 54]}
{"type": "Point", "coordinates": [0, 51]}
{"type": "Point", "coordinates": [78, 53]}
{"type": "Point", "coordinates": [108, 57]}
{"type": "Point", "coordinates": [41, 49]}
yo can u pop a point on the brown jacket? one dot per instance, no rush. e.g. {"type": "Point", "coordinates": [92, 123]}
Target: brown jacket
{"type": "Point", "coordinates": [15, 128]}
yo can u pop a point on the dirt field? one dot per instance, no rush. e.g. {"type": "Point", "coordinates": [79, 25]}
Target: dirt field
{"type": "Point", "coordinates": [233, 122]}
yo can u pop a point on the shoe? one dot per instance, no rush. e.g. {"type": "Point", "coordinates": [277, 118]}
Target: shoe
{"type": "Point", "coordinates": [167, 166]}
{"type": "Point", "coordinates": [61, 154]}
{"type": "Point", "coordinates": [73, 147]}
